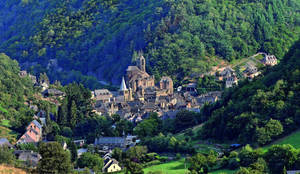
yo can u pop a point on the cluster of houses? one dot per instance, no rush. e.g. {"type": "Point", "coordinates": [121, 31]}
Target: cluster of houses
{"type": "Point", "coordinates": [229, 76]}
{"type": "Point", "coordinates": [139, 95]}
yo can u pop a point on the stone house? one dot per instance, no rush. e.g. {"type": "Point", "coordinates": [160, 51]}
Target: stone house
{"type": "Point", "coordinates": [231, 81]}
{"type": "Point", "coordinates": [33, 133]}
{"type": "Point", "coordinates": [112, 165]}
{"type": "Point", "coordinates": [269, 60]}
{"type": "Point", "coordinates": [30, 158]}
{"type": "Point", "coordinates": [102, 95]}
{"type": "Point", "coordinates": [166, 83]}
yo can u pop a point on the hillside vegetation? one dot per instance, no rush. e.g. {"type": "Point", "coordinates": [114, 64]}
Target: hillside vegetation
{"type": "Point", "coordinates": [260, 111]}
{"type": "Point", "coordinates": [95, 37]}
{"type": "Point", "coordinates": [14, 92]}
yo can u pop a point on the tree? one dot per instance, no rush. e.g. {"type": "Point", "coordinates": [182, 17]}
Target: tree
{"type": "Point", "coordinates": [54, 159]}
{"type": "Point", "coordinates": [137, 153]}
{"type": "Point", "coordinates": [133, 167]}
{"type": "Point", "coordinates": [248, 156]}
{"type": "Point", "coordinates": [198, 163]}
{"type": "Point", "coordinates": [92, 161]}
{"type": "Point", "coordinates": [185, 119]}
{"type": "Point", "coordinates": [6, 155]}
{"type": "Point", "coordinates": [73, 114]}
{"type": "Point", "coordinates": [272, 129]}
{"type": "Point", "coordinates": [280, 156]}
{"type": "Point", "coordinates": [73, 150]}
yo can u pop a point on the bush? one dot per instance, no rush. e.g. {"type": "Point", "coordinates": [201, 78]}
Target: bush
{"type": "Point", "coordinates": [6, 156]}
{"type": "Point", "coordinates": [67, 132]}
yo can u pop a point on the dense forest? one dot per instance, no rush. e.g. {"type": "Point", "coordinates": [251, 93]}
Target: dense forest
{"type": "Point", "coordinates": [71, 39]}
{"type": "Point", "coordinates": [260, 111]}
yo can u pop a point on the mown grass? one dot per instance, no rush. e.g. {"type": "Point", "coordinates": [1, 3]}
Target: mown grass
{"type": "Point", "coordinates": [174, 167]}
{"type": "Point", "coordinates": [178, 167]}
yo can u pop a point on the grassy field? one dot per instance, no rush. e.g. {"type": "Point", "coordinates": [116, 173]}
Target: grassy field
{"type": "Point", "coordinates": [177, 167]}
{"type": "Point", "coordinates": [174, 167]}
{"type": "Point", "coordinates": [292, 139]}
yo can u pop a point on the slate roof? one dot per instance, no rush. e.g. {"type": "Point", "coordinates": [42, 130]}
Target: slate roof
{"type": "Point", "coordinates": [37, 124]}
{"type": "Point", "coordinates": [4, 141]}
{"type": "Point", "coordinates": [132, 68]}
{"type": "Point", "coordinates": [53, 92]}
{"type": "Point", "coordinates": [109, 163]}
{"type": "Point", "coordinates": [123, 85]}
{"type": "Point", "coordinates": [102, 92]}
{"type": "Point", "coordinates": [110, 140]}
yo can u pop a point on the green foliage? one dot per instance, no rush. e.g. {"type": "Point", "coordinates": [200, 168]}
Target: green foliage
{"type": "Point", "coordinates": [92, 161]}
{"type": "Point", "coordinates": [54, 159]}
{"type": "Point", "coordinates": [178, 37]}
{"type": "Point", "coordinates": [207, 84]}
{"type": "Point", "coordinates": [27, 146]}
{"type": "Point", "coordinates": [198, 164]}
{"type": "Point", "coordinates": [149, 127]}
{"type": "Point", "coordinates": [279, 157]}
{"type": "Point", "coordinates": [6, 156]}
{"type": "Point", "coordinates": [13, 92]}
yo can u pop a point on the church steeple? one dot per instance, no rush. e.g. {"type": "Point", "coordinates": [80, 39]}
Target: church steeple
{"type": "Point", "coordinates": [123, 85]}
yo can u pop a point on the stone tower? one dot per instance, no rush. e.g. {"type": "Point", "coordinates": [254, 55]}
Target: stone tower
{"type": "Point", "coordinates": [141, 62]}
{"type": "Point", "coordinates": [166, 83]}
{"type": "Point", "coordinates": [127, 94]}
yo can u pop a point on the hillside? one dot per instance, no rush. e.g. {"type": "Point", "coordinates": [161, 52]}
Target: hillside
{"type": "Point", "coordinates": [98, 38]}
{"type": "Point", "coordinates": [261, 111]}
{"type": "Point", "coordinates": [14, 92]}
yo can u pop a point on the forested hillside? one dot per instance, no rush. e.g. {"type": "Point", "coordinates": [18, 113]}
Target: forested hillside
{"type": "Point", "coordinates": [96, 37]}
{"type": "Point", "coordinates": [14, 92]}
{"type": "Point", "coordinates": [260, 111]}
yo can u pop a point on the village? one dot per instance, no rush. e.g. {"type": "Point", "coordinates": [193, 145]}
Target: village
{"type": "Point", "coordinates": [137, 97]}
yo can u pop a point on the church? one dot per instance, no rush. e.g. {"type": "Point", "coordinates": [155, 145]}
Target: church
{"type": "Point", "coordinates": [136, 76]}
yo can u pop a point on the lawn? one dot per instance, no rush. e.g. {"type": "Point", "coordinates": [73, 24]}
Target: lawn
{"type": "Point", "coordinates": [174, 167]}
{"type": "Point", "coordinates": [177, 167]}
{"type": "Point", "coordinates": [292, 139]}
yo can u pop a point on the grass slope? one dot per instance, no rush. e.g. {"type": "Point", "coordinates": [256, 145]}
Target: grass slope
{"type": "Point", "coordinates": [292, 139]}
{"type": "Point", "coordinates": [11, 170]}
